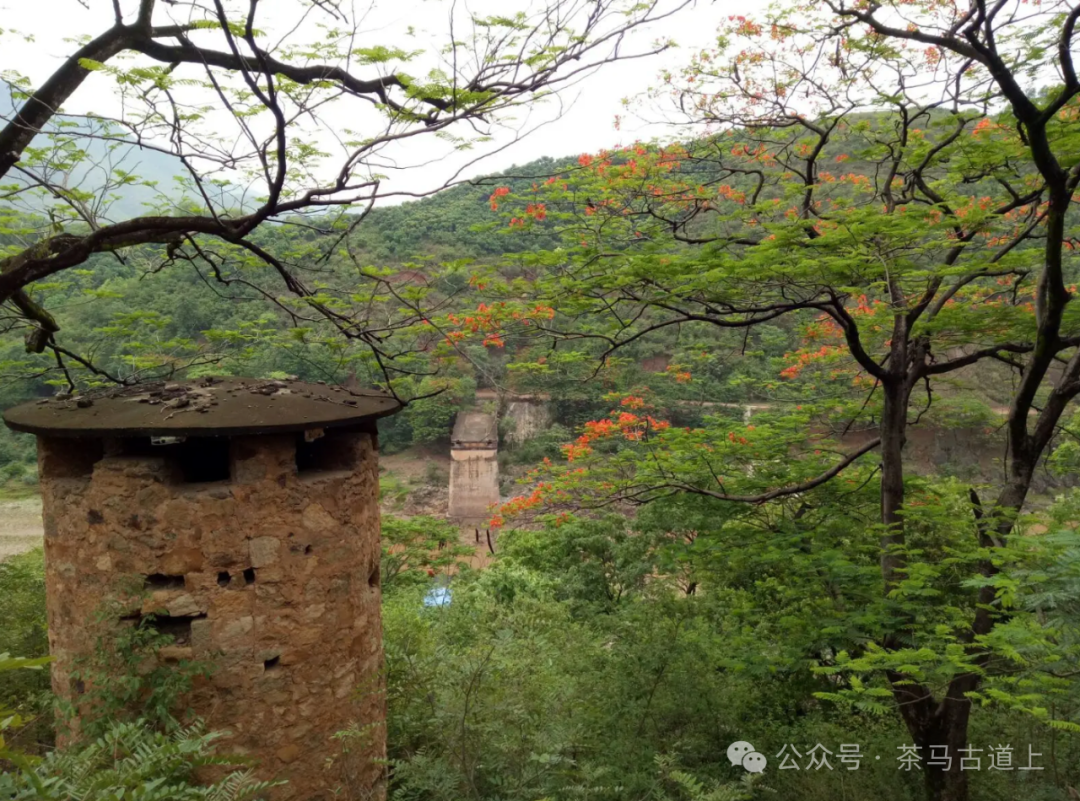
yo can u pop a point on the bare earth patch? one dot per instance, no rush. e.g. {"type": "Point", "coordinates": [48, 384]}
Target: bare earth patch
{"type": "Point", "coordinates": [20, 526]}
{"type": "Point", "coordinates": [412, 464]}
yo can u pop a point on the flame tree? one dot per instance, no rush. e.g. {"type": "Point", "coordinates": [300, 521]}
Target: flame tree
{"type": "Point", "coordinates": [896, 180]}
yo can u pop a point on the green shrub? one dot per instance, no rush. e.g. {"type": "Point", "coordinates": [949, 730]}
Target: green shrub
{"type": "Point", "coordinates": [126, 681]}
{"type": "Point", "coordinates": [134, 762]}
{"type": "Point", "coordinates": [416, 548]}
{"type": "Point", "coordinates": [435, 475]}
{"type": "Point", "coordinates": [546, 444]}
{"type": "Point", "coordinates": [569, 669]}
{"type": "Point", "coordinates": [24, 630]}
{"type": "Point", "coordinates": [11, 721]}
{"type": "Point", "coordinates": [18, 457]}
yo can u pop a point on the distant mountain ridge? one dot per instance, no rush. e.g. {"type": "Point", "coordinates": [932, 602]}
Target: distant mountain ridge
{"type": "Point", "coordinates": [454, 223]}
{"type": "Point", "coordinates": [89, 174]}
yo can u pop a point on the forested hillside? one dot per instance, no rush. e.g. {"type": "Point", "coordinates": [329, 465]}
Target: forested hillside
{"type": "Point", "coordinates": [141, 317]}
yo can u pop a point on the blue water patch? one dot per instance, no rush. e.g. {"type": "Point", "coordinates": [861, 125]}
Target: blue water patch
{"type": "Point", "coordinates": [437, 596]}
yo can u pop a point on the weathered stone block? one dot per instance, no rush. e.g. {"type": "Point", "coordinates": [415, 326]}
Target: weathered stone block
{"type": "Point", "coordinates": [264, 551]}
{"type": "Point", "coordinates": [185, 606]}
{"type": "Point", "coordinates": [318, 521]}
{"type": "Point", "coordinates": [181, 561]}
{"type": "Point", "coordinates": [175, 653]}
{"type": "Point", "coordinates": [201, 636]}
{"type": "Point", "coordinates": [289, 753]}
{"type": "Point", "coordinates": [226, 606]}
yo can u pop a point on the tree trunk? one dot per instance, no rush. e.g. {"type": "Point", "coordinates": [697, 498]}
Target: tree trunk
{"type": "Point", "coordinates": [939, 730]}
{"type": "Point", "coordinates": [947, 782]}
{"type": "Point", "coordinates": [893, 435]}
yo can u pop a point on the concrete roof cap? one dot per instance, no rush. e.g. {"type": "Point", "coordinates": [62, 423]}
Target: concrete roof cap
{"type": "Point", "coordinates": [203, 407]}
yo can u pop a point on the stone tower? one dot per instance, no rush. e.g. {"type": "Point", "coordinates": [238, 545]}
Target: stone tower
{"type": "Point", "coordinates": [248, 511]}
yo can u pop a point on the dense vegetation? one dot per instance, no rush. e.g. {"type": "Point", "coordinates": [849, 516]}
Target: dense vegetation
{"type": "Point", "coordinates": [868, 264]}
{"type": "Point", "coordinates": [568, 669]}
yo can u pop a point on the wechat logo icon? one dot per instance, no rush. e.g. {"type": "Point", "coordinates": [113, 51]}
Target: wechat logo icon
{"type": "Point", "coordinates": [742, 753]}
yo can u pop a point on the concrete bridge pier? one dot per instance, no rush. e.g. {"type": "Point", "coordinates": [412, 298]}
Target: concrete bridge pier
{"type": "Point", "coordinates": [474, 476]}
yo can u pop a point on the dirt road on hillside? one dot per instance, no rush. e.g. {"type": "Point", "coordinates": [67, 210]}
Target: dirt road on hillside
{"type": "Point", "coordinates": [20, 526]}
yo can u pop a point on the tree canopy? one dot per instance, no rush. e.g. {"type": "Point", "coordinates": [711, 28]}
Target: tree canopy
{"type": "Point", "coordinates": [243, 104]}
{"type": "Point", "coordinates": [876, 173]}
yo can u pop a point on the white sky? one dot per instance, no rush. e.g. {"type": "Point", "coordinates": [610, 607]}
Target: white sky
{"type": "Point", "coordinates": [586, 126]}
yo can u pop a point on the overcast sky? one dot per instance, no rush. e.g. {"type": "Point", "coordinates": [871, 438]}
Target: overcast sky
{"type": "Point", "coordinates": [586, 123]}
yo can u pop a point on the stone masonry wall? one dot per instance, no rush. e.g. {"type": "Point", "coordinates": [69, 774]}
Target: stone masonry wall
{"type": "Point", "coordinates": [270, 575]}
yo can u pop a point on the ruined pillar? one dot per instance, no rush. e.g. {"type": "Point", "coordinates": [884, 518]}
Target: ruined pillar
{"type": "Point", "coordinates": [248, 513]}
{"type": "Point", "coordinates": [474, 468]}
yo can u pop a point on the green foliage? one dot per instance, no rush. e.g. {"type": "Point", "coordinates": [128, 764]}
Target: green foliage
{"type": "Point", "coordinates": [25, 631]}
{"type": "Point", "coordinates": [430, 419]}
{"type": "Point", "coordinates": [455, 224]}
{"type": "Point", "coordinates": [414, 549]}
{"type": "Point", "coordinates": [547, 444]}
{"type": "Point", "coordinates": [125, 677]}
{"type": "Point", "coordinates": [689, 787]}
{"type": "Point", "coordinates": [10, 719]}
{"type": "Point", "coordinates": [601, 563]}
{"type": "Point", "coordinates": [133, 760]}
{"type": "Point", "coordinates": [527, 687]}
{"type": "Point", "coordinates": [392, 489]}
{"type": "Point", "coordinates": [906, 276]}
{"type": "Point", "coordinates": [25, 693]}
{"type": "Point", "coordinates": [18, 461]}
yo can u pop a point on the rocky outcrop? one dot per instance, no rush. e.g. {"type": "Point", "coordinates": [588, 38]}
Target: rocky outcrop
{"type": "Point", "coordinates": [525, 419]}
